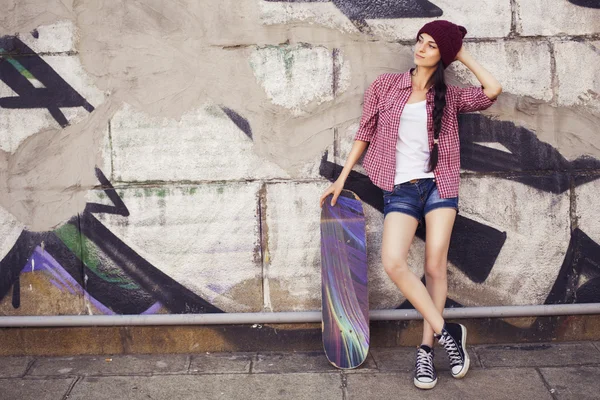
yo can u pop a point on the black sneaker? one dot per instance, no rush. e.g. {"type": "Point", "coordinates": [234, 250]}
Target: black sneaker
{"type": "Point", "coordinates": [425, 375]}
{"type": "Point", "coordinates": [454, 340]}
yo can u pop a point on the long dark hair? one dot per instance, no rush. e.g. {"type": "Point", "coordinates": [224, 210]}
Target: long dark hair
{"type": "Point", "coordinates": [439, 86]}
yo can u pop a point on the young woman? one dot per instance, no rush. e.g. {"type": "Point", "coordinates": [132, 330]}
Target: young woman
{"type": "Point", "coordinates": [409, 124]}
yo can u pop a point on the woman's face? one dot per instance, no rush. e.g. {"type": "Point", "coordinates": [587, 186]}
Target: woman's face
{"type": "Point", "coordinates": [427, 53]}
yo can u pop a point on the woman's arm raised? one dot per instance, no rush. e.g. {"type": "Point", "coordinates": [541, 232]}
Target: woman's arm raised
{"type": "Point", "coordinates": [491, 86]}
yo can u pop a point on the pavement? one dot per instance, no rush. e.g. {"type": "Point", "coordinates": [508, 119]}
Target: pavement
{"type": "Point", "coordinates": [566, 370]}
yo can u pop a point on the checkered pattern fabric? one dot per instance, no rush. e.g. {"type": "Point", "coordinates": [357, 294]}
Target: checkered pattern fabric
{"type": "Point", "coordinates": [384, 101]}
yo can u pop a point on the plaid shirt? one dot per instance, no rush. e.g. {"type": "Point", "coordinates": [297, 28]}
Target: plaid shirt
{"type": "Point", "coordinates": [383, 104]}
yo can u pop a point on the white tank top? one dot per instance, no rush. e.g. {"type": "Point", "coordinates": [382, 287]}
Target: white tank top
{"type": "Point", "coordinates": [412, 147]}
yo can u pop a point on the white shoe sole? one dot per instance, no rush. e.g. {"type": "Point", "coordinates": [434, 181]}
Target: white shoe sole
{"type": "Point", "coordinates": [424, 385]}
{"type": "Point", "coordinates": [465, 369]}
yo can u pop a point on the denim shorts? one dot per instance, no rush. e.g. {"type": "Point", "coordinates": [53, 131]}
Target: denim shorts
{"type": "Point", "coordinates": [416, 197]}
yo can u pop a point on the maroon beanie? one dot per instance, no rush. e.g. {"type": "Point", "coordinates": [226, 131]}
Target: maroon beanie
{"type": "Point", "coordinates": [447, 36]}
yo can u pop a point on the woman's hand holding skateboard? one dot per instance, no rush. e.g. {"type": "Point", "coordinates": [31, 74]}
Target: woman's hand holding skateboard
{"type": "Point", "coordinates": [335, 188]}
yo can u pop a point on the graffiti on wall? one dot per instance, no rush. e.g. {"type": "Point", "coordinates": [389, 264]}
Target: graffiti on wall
{"type": "Point", "coordinates": [358, 11]}
{"type": "Point", "coordinates": [36, 84]}
{"type": "Point", "coordinates": [83, 257]}
{"type": "Point", "coordinates": [586, 3]}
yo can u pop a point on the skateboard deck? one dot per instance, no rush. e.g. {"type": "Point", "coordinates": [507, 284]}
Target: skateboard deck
{"type": "Point", "coordinates": [344, 291]}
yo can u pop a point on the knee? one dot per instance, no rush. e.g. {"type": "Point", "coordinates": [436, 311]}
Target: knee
{"type": "Point", "coordinates": [393, 266]}
{"type": "Point", "coordinates": [436, 269]}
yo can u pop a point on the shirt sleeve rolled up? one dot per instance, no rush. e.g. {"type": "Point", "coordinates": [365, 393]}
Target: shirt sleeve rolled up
{"type": "Point", "coordinates": [368, 120]}
{"type": "Point", "coordinates": [473, 98]}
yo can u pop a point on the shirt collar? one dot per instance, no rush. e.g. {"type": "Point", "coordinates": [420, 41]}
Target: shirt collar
{"type": "Point", "coordinates": [405, 81]}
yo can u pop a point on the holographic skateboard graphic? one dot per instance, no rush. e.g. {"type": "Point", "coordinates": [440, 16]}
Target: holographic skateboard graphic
{"type": "Point", "coordinates": [344, 291]}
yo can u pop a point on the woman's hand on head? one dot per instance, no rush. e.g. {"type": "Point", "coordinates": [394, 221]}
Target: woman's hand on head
{"type": "Point", "coordinates": [335, 188]}
{"type": "Point", "coordinates": [460, 53]}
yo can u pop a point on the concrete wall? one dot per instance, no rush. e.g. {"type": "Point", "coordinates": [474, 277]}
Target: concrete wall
{"type": "Point", "coordinates": [168, 157]}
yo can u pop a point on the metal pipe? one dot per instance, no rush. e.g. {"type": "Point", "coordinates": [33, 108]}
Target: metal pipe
{"type": "Point", "coordinates": [290, 317]}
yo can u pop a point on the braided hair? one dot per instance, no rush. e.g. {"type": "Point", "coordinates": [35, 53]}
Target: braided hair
{"type": "Point", "coordinates": [439, 85]}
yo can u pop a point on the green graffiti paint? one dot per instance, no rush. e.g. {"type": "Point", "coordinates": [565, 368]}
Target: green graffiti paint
{"type": "Point", "coordinates": [19, 67]}
{"type": "Point", "coordinates": [287, 54]}
{"type": "Point", "coordinates": [87, 252]}
{"type": "Point", "coordinates": [288, 60]}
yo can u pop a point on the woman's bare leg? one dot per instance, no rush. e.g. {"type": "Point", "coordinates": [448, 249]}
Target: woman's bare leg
{"type": "Point", "coordinates": [398, 233]}
{"type": "Point", "coordinates": [439, 224]}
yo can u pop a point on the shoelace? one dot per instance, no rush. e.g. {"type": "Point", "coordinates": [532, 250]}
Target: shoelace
{"type": "Point", "coordinates": [424, 363]}
{"type": "Point", "coordinates": [451, 348]}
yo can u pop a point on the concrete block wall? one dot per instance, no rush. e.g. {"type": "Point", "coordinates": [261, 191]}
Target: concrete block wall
{"type": "Point", "coordinates": [171, 161]}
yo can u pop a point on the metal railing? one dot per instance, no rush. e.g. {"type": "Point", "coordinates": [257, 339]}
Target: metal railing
{"type": "Point", "coordinates": [289, 317]}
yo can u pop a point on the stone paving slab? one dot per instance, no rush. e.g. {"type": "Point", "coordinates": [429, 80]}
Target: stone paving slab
{"type": "Point", "coordinates": [11, 367]}
{"type": "Point", "coordinates": [538, 354]}
{"type": "Point", "coordinates": [38, 389]}
{"type": "Point", "coordinates": [579, 383]}
{"type": "Point", "coordinates": [370, 365]}
{"type": "Point", "coordinates": [222, 363]}
{"type": "Point", "coordinates": [478, 384]}
{"type": "Point", "coordinates": [403, 358]}
{"type": "Point", "coordinates": [110, 365]}
{"type": "Point", "coordinates": [309, 361]}
{"type": "Point", "coordinates": [235, 386]}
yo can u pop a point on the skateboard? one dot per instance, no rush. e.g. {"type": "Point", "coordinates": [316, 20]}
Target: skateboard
{"type": "Point", "coordinates": [344, 291]}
